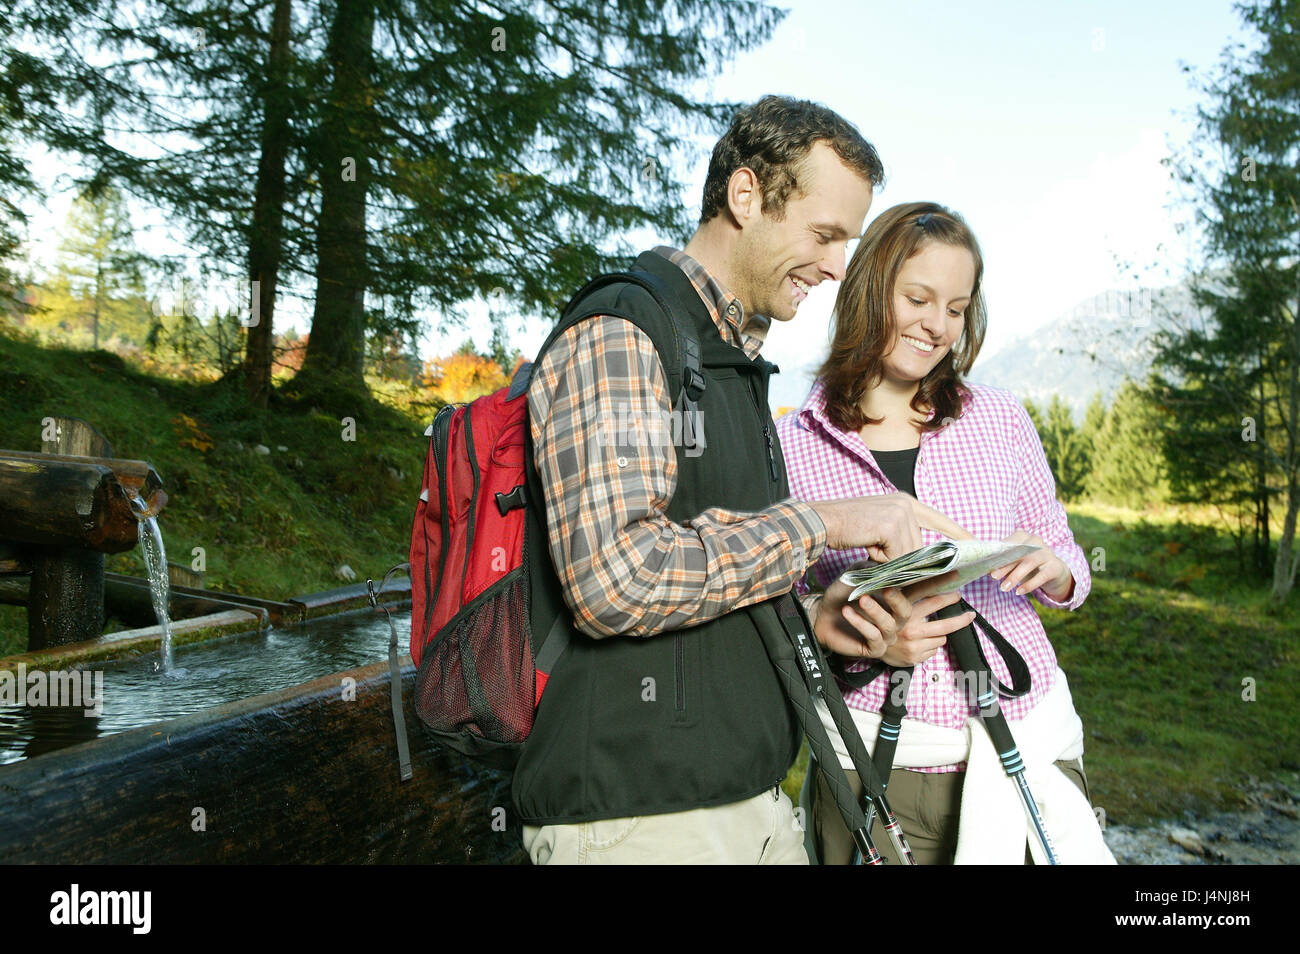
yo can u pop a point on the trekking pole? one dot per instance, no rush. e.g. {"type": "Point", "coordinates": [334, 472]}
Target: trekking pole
{"type": "Point", "coordinates": [395, 671]}
{"type": "Point", "coordinates": [812, 664]}
{"type": "Point", "coordinates": [802, 678]}
{"type": "Point", "coordinates": [965, 649]}
{"type": "Point", "coordinates": [857, 750]}
{"type": "Point", "coordinates": [892, 713]}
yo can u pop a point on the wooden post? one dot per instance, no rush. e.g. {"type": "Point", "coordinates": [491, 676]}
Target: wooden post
{"type": "Point", "coordinates": [66, 602]}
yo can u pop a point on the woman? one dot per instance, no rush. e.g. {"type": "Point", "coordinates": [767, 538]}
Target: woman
{"type": "Point", "coordinates": [889, 411]}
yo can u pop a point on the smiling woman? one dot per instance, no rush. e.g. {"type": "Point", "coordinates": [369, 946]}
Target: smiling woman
{"type": "Point", "coordinates": [920, 279]}
{"type": "Point", "coordinates": [889, 413]}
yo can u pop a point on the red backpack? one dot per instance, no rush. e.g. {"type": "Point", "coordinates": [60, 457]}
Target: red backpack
{"type": "Point", "coordinates": [481, 671]}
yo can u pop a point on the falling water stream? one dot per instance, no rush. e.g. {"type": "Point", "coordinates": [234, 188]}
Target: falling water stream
{"type": "Point", "coordinates": [155, 561]}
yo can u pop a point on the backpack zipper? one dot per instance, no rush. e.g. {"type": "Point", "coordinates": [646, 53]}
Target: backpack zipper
{"type": "Point", "coordinates": [441, 424]}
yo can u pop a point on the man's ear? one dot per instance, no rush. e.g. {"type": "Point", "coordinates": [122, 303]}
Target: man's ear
{"type": "Point", "coordinates": [744, 196]}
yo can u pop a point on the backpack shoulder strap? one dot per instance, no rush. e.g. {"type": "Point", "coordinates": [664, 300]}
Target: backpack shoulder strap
{"type": "Point", "coordinates": [614, 294]}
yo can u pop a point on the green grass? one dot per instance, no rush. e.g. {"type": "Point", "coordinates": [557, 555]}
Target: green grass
{"type": "Point", "coordinates": [1157, 659]}
{"type": "Point", "coordinates": [271, 526]}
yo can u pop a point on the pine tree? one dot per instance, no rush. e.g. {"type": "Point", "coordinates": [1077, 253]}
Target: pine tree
{"type": "Point", "coordinates": [99, 262]}
{"type": "Point", "coordinates": [1128, 464]}
{"type": "Point", "coordinates": [1063, 445]}
{"type": "Point", "coordinates": [407, 157]}
{"type": "Point", "coordinates": [506, 148]}
{"type": "Point", "coordinates": [1234, 386]}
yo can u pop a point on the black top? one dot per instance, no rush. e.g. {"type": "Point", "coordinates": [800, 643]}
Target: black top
{"type": "Point", "coordinates": [899, 466]}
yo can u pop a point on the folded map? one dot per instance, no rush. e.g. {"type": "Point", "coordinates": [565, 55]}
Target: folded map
{"type": "Point", "coordinates": [967, 559]}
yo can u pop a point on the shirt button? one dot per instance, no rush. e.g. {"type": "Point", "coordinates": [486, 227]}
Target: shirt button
{"type": "Point", "coordinates": [622, 462]}
{"type": "Point", "coordinates": [934, 677]}
{"type": "Point", "coordinates": [731, 309]}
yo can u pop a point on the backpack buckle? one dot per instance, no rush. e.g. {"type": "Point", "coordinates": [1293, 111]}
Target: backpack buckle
{"type": "Point", "coordinates": [511, 501]}
{"type": "Point", "coordinates": [694, 384]}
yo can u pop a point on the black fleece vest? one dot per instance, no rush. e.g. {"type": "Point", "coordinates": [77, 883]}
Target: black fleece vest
{"type": "Point", "coordinates": [677, 720]}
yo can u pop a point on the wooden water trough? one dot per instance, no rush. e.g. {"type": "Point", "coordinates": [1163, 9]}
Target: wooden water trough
{"type": "Point", "coordinates": [309, 774]}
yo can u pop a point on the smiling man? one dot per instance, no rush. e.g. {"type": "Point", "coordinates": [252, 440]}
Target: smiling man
{"type": "Point", "coordinates": [664, 733]}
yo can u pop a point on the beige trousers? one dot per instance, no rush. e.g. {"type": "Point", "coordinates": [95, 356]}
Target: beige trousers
{"type": "Point", "coordinates": [762, 830]}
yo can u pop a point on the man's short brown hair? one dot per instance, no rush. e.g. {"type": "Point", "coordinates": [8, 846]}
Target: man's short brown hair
{"type": "Point", "coordinates": [773, 137]}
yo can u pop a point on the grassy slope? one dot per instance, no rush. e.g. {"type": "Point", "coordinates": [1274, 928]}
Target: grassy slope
{"type": "Point", "coordinates": [271, 526]}
{"type": "Point", "coordinates": [1156, 657]}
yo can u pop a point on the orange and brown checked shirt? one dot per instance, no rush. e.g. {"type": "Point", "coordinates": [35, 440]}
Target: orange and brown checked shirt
{"type": "Point", "coordinates": [625, 567]}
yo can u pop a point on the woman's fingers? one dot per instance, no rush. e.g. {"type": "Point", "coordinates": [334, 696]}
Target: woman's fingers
{"type": "Point", "coordinates": [932, 604]}
{"type": "Point", "coordinates": [1018, 537]}
{"type": "Point", "coordinates": [1023, 569]}
{"type": "Point", "coordinates": [899, 607]}
{"type": "Point", "coordinates": [913, 652]}
{"type": "Point", "coordinates": [947, 626]}
{"type": "Point", "coordinates": [1043, 576]}
{"type": "Point", "coordinates": [873, 642]}
{"type": "Point", "coordinates": [844, 642]}
{"type": "Point", "coordinates": [880, 618]}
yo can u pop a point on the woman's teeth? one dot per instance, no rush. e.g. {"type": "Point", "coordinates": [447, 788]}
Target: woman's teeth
{"type": "Point", "coordinates": [918, 344]}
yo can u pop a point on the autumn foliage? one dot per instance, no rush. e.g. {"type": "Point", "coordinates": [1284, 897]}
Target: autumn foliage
{"type": "Point", "coordinates": [463, 376]}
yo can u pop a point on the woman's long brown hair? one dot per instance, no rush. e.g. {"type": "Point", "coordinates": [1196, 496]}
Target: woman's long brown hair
{"type": "Point", "coordinates": [863, 319]}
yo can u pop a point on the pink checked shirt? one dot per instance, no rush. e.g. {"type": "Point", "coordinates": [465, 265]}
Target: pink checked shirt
{"type": "Point", "coordinates": [987, 472]}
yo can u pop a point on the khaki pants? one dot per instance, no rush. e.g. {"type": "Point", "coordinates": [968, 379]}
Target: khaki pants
{"type": "Point", "coordinates": [760, 830]}
{"type": "Point", "coordinates": [927, 806]}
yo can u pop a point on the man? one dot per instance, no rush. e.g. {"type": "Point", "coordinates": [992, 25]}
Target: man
{"type": "Point", "coordinates": [664, 732]}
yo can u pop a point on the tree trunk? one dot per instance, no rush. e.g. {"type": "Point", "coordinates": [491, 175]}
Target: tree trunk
{"type": "Point", "coordinates": [1261, 476]}
{"type": "Point", "coordinates": [1284, 568]}
{"type": "Point", "coordinates": [268, 212]}
{"type": "Point", "coordinates": [336, 348]}
{"type": "Point", "coordinates": [99, 296]}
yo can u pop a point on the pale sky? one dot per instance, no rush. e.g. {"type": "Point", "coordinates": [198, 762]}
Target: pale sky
{"type": "Point", "coordinates": [1043, 124]}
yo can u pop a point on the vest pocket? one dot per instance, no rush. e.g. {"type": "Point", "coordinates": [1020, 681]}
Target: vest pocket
{"type": "Point", "coordinates": [687, 704]}
{"type": "Point", "coordinates": [679, 678]}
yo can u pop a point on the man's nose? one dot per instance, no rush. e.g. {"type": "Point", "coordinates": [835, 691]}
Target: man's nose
{"type": "Point", "coordinates": [834, 263]}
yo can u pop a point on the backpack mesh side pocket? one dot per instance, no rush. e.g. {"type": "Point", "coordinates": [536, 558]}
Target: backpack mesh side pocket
{"type": "Point", "coordinates": [475, 685]}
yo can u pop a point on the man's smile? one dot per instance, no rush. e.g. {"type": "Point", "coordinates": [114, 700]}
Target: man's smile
{"type": "Point", "coordinates": [800, 288]}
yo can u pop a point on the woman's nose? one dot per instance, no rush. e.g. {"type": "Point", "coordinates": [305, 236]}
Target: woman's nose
{"type": "Point", "coordinates": [933, 321]}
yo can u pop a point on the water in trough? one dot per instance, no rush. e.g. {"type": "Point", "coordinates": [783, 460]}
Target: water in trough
{"type": "Point", "coordinates": [136, 694]}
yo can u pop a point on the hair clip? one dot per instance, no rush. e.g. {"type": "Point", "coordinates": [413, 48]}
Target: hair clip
{"type": "Point", "coordinates": [924, 220]}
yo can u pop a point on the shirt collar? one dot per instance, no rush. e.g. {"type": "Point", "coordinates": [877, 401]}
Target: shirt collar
{"type": "Point", "coordinates": [746, 332]}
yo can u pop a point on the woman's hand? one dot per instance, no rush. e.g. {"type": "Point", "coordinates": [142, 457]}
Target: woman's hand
{"type": "Point", "coordinates": [1042, 568]}
{"type": "Point", "coordinates": [921, 638]}
{"type": "Point", "coordinates": [864, 629]}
